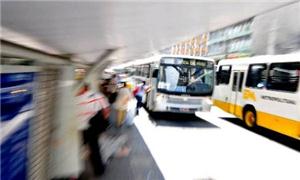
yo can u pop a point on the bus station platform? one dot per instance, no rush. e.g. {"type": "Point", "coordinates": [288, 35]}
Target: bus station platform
{"type": "Point", "coordinates": [139, 164]}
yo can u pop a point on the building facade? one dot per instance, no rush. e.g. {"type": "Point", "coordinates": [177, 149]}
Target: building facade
{"type": "Point", "coordinates": [196, 46]}
{"type": "Point", "coordinates": [232, 41]}
{"type": "Point", "coordinates": [278, 31]}
{"type": "Point", "coordinates": [273, 32]}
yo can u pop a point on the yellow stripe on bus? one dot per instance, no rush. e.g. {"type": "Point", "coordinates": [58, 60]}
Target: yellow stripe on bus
{"type": "Point", "coordinates": [221, 104]}
{"type": "Point", "coordinates": [280, 124]}
{"type": "Point", "coordinates": [228, 107]}
{"type": "Point", "coordinates": [286, 126]}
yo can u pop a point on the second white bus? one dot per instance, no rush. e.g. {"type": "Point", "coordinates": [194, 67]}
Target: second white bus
{"type": "Point", "coordinates": [262, 91]}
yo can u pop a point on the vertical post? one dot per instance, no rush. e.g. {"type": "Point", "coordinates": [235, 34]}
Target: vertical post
{"type": "Point", "coordinates": [65, 155]}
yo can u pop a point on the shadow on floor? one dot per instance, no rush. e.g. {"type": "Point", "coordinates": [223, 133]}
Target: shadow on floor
{"type": "Point", "coordinates": [138, 165]}
{"type": "Point", "coordinates": [179, 120]}
{"type": "Point", "coordinates": [272, 135]}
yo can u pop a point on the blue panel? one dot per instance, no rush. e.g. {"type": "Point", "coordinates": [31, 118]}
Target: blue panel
{"type": "Point", "coordinates": [15, 79]}
{"type": "Point", "coordinates": [16, 98]}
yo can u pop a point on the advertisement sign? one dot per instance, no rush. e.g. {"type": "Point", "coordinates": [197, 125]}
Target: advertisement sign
{"type": "Point", "coordinates": [16, 112]}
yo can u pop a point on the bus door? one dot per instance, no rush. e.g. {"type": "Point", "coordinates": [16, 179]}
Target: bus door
{"type": "Point", "coordinates": [236, 92]}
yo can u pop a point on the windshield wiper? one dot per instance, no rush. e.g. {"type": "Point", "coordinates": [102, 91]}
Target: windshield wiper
{"type": "Point", "coordinates": [204, 74]}
{"type": "Point", "coordinates": [179, 70]}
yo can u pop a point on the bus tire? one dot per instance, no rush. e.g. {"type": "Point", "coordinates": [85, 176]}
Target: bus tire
{"type": "Point", "coordinates": [249, 117]}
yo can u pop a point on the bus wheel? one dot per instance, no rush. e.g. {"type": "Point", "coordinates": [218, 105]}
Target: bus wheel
{"type": "Point", "coordinates": [250, 118]}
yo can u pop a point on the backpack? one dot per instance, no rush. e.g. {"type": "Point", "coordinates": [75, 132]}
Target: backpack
{"type": "Point", "coordinates": [136, 90]}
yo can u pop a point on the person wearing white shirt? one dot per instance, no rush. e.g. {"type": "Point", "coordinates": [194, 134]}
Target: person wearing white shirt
{"type": "Point", "coordinates": [93, 112]}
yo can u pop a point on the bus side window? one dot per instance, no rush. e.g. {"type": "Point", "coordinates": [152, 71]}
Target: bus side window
{"type": "Point", "coordinates": [223, 75]}
{"type": "Point", "coordinates": [284, 76]}
{"type": "Point", "coordinates": [234, 83]}
{"type": "Point", "coordinates": [148, 71]}
{"type": "Point", "coordinates": [155, 73]}
{"type": "Point", "coordinates": [241, 81]}
{"type": "Point", "coordinates": [257, 76]}
{"type": "Point", "coordinates": [218, 77]}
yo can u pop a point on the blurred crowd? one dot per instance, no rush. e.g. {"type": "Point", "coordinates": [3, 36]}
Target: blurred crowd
{"type": "Point", "coordinates": [104, 117]}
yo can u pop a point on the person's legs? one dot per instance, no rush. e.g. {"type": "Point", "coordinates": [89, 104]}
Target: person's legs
{"type": "Point", "coordinates": [95, 155]}
{"type": "Point", "coordinates": [84, 148]}
{"type": "Point", "coordinates": [138, 104]}
{"type": "Point", "coordinates": [84, 134]}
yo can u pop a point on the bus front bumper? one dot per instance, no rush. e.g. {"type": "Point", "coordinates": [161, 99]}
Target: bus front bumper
{"type": "Point", "coordinates": [188, 109]}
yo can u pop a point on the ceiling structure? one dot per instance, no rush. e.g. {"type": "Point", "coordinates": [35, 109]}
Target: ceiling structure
{"type": "Point", "coordinates": [84, 30]}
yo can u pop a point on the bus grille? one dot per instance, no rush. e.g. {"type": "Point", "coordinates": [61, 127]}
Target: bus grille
{"type": "Point", "coordinates": [173, 109]}
{"type": "Point", "coordinates": [182, 101]}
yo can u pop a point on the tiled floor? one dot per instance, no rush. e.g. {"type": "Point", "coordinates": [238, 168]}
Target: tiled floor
{"type": "Point", "coordinates": [138, 165]}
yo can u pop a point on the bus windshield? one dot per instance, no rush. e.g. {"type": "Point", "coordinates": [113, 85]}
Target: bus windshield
{"type": "Point", "coordinates": [186, 76]}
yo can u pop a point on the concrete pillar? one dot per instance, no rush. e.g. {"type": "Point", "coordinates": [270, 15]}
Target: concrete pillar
{"type": "Point", "coordinates": [65, 155]}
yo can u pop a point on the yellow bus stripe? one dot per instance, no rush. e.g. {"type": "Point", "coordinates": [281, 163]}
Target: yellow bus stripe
{"type": "Point", "coordinates": [280, 124]}
{"type": "Point", "coordinates": [289, 127]}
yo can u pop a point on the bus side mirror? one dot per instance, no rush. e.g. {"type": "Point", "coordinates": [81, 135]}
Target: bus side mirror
{"type": "Point", "coordinates": [155, 73]}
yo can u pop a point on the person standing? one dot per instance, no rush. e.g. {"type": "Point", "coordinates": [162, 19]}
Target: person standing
{"type": "Point", "coordinates": [139, 93]}
{"type": "Point", "coordinates": [93, 120]}
{"type": "Point", "coordinates": [121, 104]}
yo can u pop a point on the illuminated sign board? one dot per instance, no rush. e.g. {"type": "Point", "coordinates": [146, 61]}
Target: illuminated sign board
{"type": "Point", "coordinates": [189, 62]}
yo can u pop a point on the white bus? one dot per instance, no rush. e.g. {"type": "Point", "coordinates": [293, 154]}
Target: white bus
{"type": "Point", "coordinates": [261, 91]}
{"type": "Point", "coordinates": [181, 84]}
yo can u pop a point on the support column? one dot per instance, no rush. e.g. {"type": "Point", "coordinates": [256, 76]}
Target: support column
{"type": "Point", "coordinates": [65, 155]}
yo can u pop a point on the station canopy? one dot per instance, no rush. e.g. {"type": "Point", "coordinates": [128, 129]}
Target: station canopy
{"type": "Point", "coordinates": [83, 30]}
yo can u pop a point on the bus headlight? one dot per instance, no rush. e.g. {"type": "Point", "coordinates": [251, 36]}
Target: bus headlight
{"type": "Point", "coordinates": [209, 102]}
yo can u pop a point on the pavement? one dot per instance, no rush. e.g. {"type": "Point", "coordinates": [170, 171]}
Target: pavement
{"type": "Point", "coordinates": [201, 147]}
{"type": "Point", "coordinates": [207, 147]}
{"type": "Point", "coordinates": [138, 165]}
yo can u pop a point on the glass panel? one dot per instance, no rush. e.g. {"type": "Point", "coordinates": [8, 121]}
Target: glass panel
{"type": "Point", "coordinates": [241, 81]}
{"type": "Point", "coordinates": [284, 76]}
{"type": "Point", "coordinates": [256, 77]}
{"type": "Point", "coordinates": [234, 84]}
{"type": "Point", "coordinates": [192, 76]}
{"type": "Point", "coordinates": [224, 75]}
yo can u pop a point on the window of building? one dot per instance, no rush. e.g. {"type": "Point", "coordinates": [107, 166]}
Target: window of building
{"type": "Point", "coordinates": [284, 76]}
{"type": "Point", "coordinates": [223, 75]}
{"type": "Point", "coordinates": [256, 77]}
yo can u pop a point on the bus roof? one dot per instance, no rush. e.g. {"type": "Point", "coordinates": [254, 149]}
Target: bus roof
{"type": "Point", "coordinates": [188, 57]}
{"type": "Point", "coordinates": [156, 58]}
{"type": "Point", "coordinates": [262, 59]}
